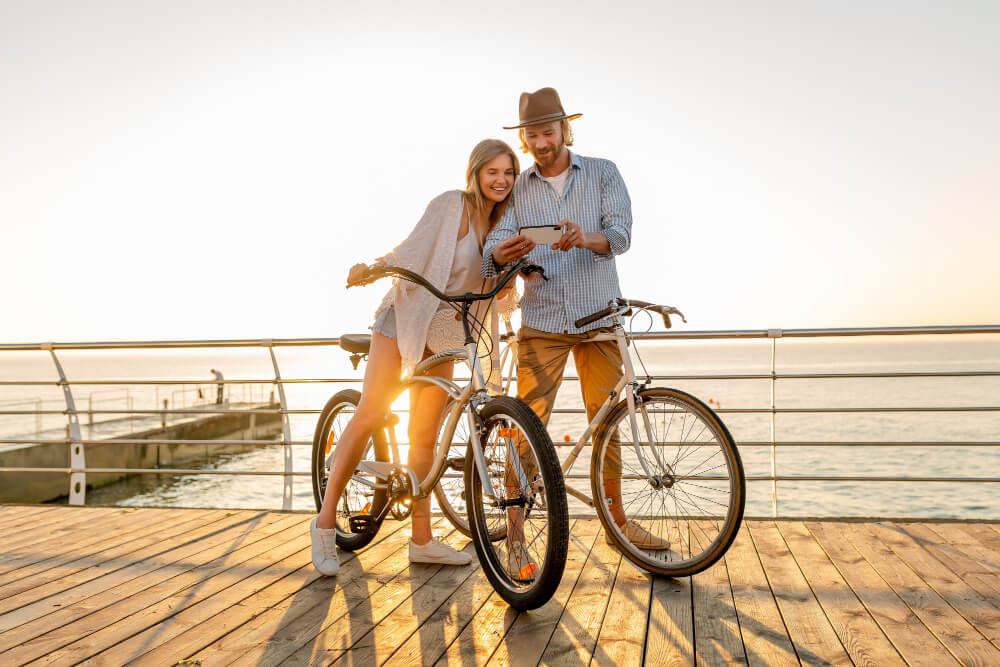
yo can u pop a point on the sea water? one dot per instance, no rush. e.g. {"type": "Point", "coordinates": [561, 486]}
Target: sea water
{"type": "Point", "coordinates": [897, 354]}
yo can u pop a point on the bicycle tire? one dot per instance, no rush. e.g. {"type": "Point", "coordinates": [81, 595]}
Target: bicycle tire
{"type": "Point", "coordinates": [334, 417]}
{"type": "Point", "coordinates": [698, 513]}
{"type": "Point", "coordinates": [544, 515]}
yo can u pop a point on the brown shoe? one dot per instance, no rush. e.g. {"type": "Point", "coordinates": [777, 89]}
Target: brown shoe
{"type": "Point", "coordinates": [639, 537]}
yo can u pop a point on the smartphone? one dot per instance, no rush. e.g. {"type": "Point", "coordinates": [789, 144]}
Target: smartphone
{"type": "Point", "coordinates": [543, 234]}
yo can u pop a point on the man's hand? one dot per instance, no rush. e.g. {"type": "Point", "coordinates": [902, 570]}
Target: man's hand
{"type": "Point", "coordinates": [574, 237]}
{"type": "Point", "coordinates": [512, 249]}
{"type": "Point", "coordinates": [356, 273]}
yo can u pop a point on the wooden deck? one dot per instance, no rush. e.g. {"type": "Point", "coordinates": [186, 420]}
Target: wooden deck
{"type": "Point", "coordinates": [215, 587]}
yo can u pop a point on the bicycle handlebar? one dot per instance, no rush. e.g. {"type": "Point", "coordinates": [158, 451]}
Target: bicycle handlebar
{"type": "Point", "coordinates": [625, 305]}
{"type": "Point", "coordinates": [381, 270]}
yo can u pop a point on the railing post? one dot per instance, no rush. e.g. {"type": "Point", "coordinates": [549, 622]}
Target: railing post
{"type": "Point", "coordinates": [77, 461]}
{"type": "Point", "coordinates": [286, 431]}
{"type": "Point", "coordinates": [774, 335]}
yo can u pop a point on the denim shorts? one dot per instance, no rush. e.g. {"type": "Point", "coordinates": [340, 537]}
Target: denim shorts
{"type": "Point", "coordinates": [385, 323]}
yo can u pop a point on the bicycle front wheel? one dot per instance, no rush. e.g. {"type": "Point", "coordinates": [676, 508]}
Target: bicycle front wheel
{"type": "Point", "coordinates": [527, 508]}
{"type": "Point", "coordinates": [673, 501]}
{"type": "Point", "coordinates": [358, 498]}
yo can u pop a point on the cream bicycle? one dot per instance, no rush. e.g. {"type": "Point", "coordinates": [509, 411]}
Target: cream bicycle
{"type": "Point", "coordinates": [666, 476]}
{"type": "Point", "coordinates": [510, 470]}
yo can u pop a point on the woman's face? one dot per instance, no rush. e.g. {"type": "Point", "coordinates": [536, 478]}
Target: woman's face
{"type": "Point", "coordinates": [496, 178]}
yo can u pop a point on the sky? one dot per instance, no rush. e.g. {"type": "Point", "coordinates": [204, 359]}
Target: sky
{"type": "Point", "coordinates": [211, 169]}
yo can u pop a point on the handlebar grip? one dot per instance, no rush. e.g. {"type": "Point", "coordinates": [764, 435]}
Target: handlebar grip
{"type": "Point", "coordinates": [599, 315]}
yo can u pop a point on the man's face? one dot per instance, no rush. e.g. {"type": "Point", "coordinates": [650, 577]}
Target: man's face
{"type": "Point", "coordinates": [545, 142]}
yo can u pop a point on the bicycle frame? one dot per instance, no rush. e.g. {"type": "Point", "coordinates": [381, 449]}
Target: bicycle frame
{"type": "Point", "coordinates": [467, 398]}
{"type": "Point", "coordinates": [628, 384]}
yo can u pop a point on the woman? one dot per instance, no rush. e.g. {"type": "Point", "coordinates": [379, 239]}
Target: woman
{"type": "Point", "coordinates": [446, 248]}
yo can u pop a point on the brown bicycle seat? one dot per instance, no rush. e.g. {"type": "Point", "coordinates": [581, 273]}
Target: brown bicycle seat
{"type": "Point", "coordinates": [357, 343]}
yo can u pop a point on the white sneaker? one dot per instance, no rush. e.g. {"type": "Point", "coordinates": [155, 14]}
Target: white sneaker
{"type": "Point", "coordinates": [438, 553]}
{"type": "Point", "coordinates": [324, 549]}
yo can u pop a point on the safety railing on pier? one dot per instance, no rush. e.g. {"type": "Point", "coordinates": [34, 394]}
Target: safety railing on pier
{"type": "Point", "coordinates": [78, 470]}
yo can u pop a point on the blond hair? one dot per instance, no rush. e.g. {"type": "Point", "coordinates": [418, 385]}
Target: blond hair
{"type": "Point", "coordinates": [484, 151]}
{"type": "Point", "coordinates": [567, 135]}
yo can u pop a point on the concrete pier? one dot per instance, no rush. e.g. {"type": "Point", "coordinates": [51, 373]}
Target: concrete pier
{"type": "Point", "coordinates": [37, 487]}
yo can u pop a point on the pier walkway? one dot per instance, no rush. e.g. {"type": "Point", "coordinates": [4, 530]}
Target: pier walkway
{"type": "Point", "coordinates": [161, 586]}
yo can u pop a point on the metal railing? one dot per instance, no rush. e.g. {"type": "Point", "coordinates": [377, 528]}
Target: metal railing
{"type": "Point", "coordinates": [78, 470]}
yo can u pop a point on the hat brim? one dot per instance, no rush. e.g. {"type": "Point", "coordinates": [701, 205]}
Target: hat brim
{"type": "Point", "coordinates": [543, 121]}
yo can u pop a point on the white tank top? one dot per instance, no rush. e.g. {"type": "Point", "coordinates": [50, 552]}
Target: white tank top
{"type": "Point", "coordinates": [466, 268]}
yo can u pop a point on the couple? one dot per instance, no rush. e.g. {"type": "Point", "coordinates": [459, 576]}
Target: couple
{"type": "Point", "coordinates": [466, 236]}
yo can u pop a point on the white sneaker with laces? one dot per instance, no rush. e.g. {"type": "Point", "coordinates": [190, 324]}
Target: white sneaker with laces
{"type": "Point", "coordinates": [437, 553]}
{"type": "Point", "coordinates": [324, 549]}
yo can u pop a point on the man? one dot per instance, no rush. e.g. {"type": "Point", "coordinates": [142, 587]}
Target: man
{"type": "Point", "coordinates": [220, 386]}
{"type": "Point", "coordinates": [588, 199]}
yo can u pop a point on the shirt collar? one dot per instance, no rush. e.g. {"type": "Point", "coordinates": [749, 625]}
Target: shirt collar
{"type": "Point", "coordinates": [574, 161]}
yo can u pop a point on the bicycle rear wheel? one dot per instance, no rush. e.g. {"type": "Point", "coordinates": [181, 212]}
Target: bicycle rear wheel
{"type": "Point", "coordinates": [681, 518]}
{"type": "Point", "coordinates": [358, 498]}
{"type": "Point", "coordinates": [450, 489]}
{"type": "Point", "coordinates": [530, 512]}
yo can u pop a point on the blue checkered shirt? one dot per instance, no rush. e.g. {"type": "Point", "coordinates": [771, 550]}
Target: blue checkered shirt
{"type": "Point", "coordinates": [581, 281]}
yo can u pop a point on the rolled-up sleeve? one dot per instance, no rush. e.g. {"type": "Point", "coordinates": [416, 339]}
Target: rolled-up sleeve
{"type": "Point", "coordinates": [616, 211]}
{"type": "Point", "coordinates": [505, 229]}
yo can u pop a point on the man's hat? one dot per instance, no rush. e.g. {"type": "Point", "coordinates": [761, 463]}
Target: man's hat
{"type": "Point", "coordinates": [541, 106]}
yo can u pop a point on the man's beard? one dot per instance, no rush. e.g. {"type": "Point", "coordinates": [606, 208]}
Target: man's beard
{"type": "Point", "coordinates": [550, 157]}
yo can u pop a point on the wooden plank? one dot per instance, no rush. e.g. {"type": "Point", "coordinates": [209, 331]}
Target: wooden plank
{"type": "Point", "coordinates": [765, 638]}
{"type": "Point", "coordinates": [981, 578]}
{"type": "Point", "coordinates": [670, 636]}
{"type": "Point", "coordinates": [69, 521]}
{"type": "Point", "coordinates": [622, 637]}
{"type": "Point", "coordinates": [529, 635]}
{"type": "Point", "coordinates": [717, 639]}
{"type": "Point", "coordinates": [58, 559]}
{"type": "Point", "coordinates": [575, 637]}
{"type": "Point", "coordinates": [912, 639]}
{"type": "Point", "coordinates": [292, 587]}
{"type": "Point", "coordinates": [858, 631]}
{"type": "Point", "coordinates": [335, 642]}
{"type": "Point", "coordinates": [59, 550]}
{"type": "Point", "coordinates": [441, 628]}
{"type": "Point", "coordinates": [24, 516]}
{"type": "Point", "coordinates": [397, 625]}
{"type": "Point", "coordinates": [249, 643]}
{"type": "Point", "coordinates": [989, 539]}
{"type": "Point", "coordinates": [973, 607]}
{"type": "Point", "coordinates": [956, 537]}
{"type": "Point", "coordinates": [812, 635]}
{"type": "Point", "coordinates": [960, 638]}
{"type": "Point", "coordinates": [32, 604]}
{"type": "Point", "coordinates": [55, 524]}
{"type": "Point", "coordinates": [480, 637]}
{"type": "Point", "coordinates": [84, 629]}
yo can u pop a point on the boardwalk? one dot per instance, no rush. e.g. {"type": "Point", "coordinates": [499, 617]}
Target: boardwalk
{"type": "Point", "coordinates": [158, 586]}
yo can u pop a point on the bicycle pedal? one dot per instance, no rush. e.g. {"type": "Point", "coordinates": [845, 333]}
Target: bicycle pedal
{"type": "Point", "coordinates": [362, 523]}
{"type": "Point", "coordinates": [457, 463]}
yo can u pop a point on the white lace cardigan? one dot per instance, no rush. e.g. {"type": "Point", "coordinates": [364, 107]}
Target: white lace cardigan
{"type": "Point", "coordinates": [429, 250]}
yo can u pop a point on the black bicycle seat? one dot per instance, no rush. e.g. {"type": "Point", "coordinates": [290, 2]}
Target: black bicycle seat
{"type": "Point", "coordinates": [357, 343]}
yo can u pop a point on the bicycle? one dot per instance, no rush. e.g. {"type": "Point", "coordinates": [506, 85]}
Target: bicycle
{"type": "Point", "coordinates": [681, 475]}
{"type": "Point", "coordinates": [511, 472]}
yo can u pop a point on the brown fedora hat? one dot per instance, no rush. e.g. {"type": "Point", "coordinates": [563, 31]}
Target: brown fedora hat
{"type": "Point", "coordinates": [541, 106]}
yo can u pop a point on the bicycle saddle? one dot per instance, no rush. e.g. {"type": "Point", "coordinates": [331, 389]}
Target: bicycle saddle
{"type": "Point", "coordinates": [357, 343]}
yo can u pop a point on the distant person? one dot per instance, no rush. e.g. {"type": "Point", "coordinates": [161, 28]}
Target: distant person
{"type": "Point", "coordinates": [588, 199]}
{"type": "Point", "coordinates": [219, 388]}
{"type": "Point", "coordinates": [445, 247]}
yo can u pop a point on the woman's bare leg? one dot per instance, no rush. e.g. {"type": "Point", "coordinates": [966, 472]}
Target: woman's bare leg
{"type": "Point", "coordinates": [426, 404]}
{"type": "Point", "coordinates": [381, 380]}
